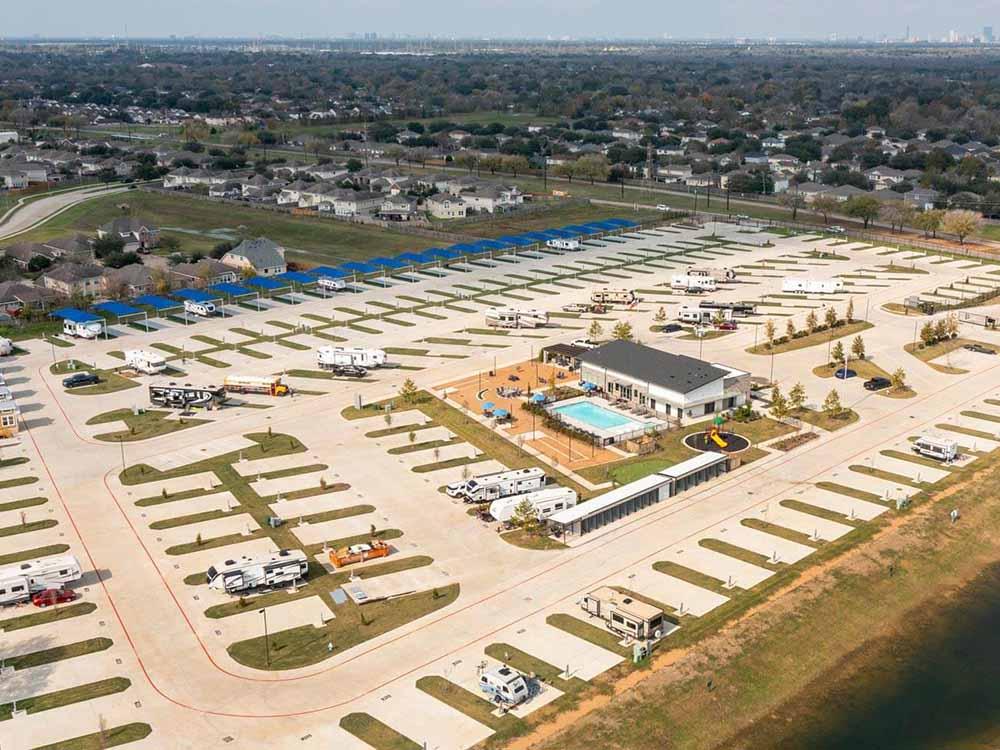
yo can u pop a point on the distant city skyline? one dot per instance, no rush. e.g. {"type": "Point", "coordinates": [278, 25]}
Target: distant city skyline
{"type": "Point", "coordinates": [578, 19]}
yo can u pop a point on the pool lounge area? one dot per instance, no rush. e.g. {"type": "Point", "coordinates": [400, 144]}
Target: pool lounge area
{"type": "Point", "coordinates": [598, 417]}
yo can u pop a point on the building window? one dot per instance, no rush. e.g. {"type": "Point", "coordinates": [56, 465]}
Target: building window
{"type": "Point", "coordinates": [710, 407]}
{"type": "Point", "coordinates": [8, 420]}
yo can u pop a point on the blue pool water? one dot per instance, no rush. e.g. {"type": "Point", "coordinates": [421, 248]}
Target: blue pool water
{"type": "Point", "coordinates": [596, 416]}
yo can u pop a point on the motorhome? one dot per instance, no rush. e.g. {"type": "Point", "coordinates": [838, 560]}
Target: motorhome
{"type": "Point", "coordinates": [6, 347]}
{"type": "Point", "coordinates": [147, 362]}
{"type": "Point", "coordinates": [512, 317]}
{"type": "Point", "coordinates": [700, 315]}
{"type": "Point", "coordinates": [505, 686]}
{"type": "Point", "coordinates": [18, 582]}
{"type": "Point", "coordinates": [614, 297]}
{"type": "Point", "coordinates": [624, 615]}
{"type": "Point", "coordinates": [89, 329]}
{"type": "Point", "coordinates": [545, 502]}
{"type": "Point", "coordinates": [812, 286]}
{"type": "Point", "coordinates": [738, 309]}
{"type": "Point", "coordinates": [245, 573]}
{"type": "Point", "coordinates": [562, 244]}
{"type": "Point", "coordinates": [331, 285]}
{"type": "Point", "coordinates": [269, 385]}
{"type": "Point", "coordinates": [937, 448]}
{"type": "Point", "coordinates": [721, 275]}
{"type": "Point", "coordinates": [201, 309]}
{"type": "Point", "coordinates": [693, 284]}
{"type": "Point", "coordinates": [331, 357]}
{"type": "Point", "coordinates": [488, 487]}
{"type": "Point", "coordinates": [177, 396]}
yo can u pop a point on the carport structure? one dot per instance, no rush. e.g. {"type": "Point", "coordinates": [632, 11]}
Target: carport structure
{"type": "Point", "coordinates": [161, 305]}
{"type": "Point", "coordinates": [122, 312]}
{"type": "Point", "coordinates": [75, 315]}
{"type": "Point", "coordinates": [234, 292]}
{"type": "Point", "coordinates": [200, 295]}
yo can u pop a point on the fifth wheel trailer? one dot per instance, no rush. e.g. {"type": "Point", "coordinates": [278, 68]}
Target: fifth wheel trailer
{"type": "Point", "coordinates": [689, 314]}
{"type": "Point", "coordinates": [545, 502]}
{"type": "Point", "coordinates": [178, 396]}
{"type": "Point", "coordinates": [18, 582]}
{"type": "Point", "coordinates": [487, 487]}
{"type": "Point", "coordinates": [624, 615]}
{"type": "Point", "coordinates": [614, 297]}
{"type": "Point", "coordinates": [689, 283]}
{"type": "Point", "coordinates": [330, 357]}
{"type": "Point", "coordinates": [812, 286]}
{"type": "Point", "coordinates": [272, 570]}
{"type": "Point", "coordinates": [563, 244]}
{"type": "Point", "coordinates": [512, 317]}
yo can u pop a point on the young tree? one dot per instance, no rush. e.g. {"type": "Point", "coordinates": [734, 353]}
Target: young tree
{"type": "Point", "coordinates": [770, 331]}
{"type": "Point", "coordinates": [929, 222]}
{"type": "Point", "coordinates": [525, 516]}
{"type": "Point", "coordinates": [941, 330]}
{"type": "Point", "coordinates": [951, 325]}
{"type": "Point", "coordinates": [837, 353]}
{"type": "Point", "coordinates": [622, 331]}
{"type": "Point", "coordinates": [718, 319]}
{"type": "Point", "coordinates": [797, 397]}
{"type": "Point", "coordinates": [408, 390]}
{"type": "Point", "coordinates": [849, 314]}
{"type": "Point", "coordinates": [898, 379]}
{"type": "Point", "coordinates": [927, 334]}
{"type": "Point", "coordinates": [831, 404]}
{"type": "Point", "coordinates": [790, 329]}
{"type": "Point", "coordinates": [858, 347]}
{"type": "Point", "coordinates": [661, 316]}
{"type": "Point", "coordinates": [830, 318]}
{"type": "Point", "coordinates": [779, 404]}
{"type": "Point", "coordinates": [595, 331]}
{"type": "Point", "coordinates": [812, 322]}
{"type": "Point", "coordinates": [961, 223]}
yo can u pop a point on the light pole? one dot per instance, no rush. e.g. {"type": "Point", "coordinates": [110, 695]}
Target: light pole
{"type": "Point", "coordinates": [121, 444]}
{"type": "Point", "coordinates": [267, 643]}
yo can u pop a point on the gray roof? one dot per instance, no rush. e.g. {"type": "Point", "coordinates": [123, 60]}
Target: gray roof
{"type": "Point", "coordinates": [674, 371]}
{"type": "Point", "coordinates": [261, 252]}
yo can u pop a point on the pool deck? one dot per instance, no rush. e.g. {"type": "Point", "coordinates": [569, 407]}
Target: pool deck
{"type": "Point", "coordinates": [634, 427]}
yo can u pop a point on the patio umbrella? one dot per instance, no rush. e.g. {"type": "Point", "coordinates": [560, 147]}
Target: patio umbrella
{"type": "Point", "coordinates": [488, 406]}
{"type": "Point", "coordinates": [538, 398]}
{"type": "Point", "coordinates": [501, 414]}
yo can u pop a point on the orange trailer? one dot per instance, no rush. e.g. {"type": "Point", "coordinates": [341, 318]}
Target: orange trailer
{"type": "Point", "coordinates": [358, 553]}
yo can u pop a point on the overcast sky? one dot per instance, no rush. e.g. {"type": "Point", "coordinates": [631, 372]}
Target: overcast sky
{"type": "Point", "coordinates": [498, 18]}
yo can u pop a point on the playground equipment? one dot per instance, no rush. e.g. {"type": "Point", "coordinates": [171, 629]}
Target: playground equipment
{"type": "Point", "coordinates": [358, 553]}
{"type": "Point", "coordinates": [713, 434]}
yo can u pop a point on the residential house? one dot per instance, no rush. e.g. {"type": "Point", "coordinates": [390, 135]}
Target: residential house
{"type": "Point", "coordinates": [21, 253]}
{"type": "Point", "coordinates": [262, 256]}
{"type": "Point", "coordinates": [811, 190]}
{"type": "Point", "coordinates": [703, 180]}
{"type": "Point", "coordinates": [133, 231]}
{"type": "Point", "coordinates": [922, 199]}
{"type": "Point", "coordinates": [205, 272]}
{"type": "Point", "coordinates": [69, 279]}
{"type": "Point", "coordinates": [128, 281]}
{"type": "Point", "coordinates": [13, 179]}
{"type": "Point", "coordinates": [446, 206]}
{"type": "Point", "coordinates": [844, 192]}
{"type": "Point", "coordinates": [398, 208]}
{"type": "Point", "coordinates": [17, 295]}
{"type": "Point", "coordinates": [883, 177]}
{"type": "Point", "coordinates": [75, 247]}
{"type": "Point", "coordinates": [756, 157]}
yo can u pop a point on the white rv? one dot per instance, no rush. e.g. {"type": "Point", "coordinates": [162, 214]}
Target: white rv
{"type": "Point", "coordinates": [937, 448]}
{"type": "Point", "coordinates": [563, 244]}
{"type": "Point", "coordinates": [6, 347]}
{"type": "Point", "coordinates": [721, 275]}
{"type": "Point", "coordinates": [487, 487]}
{"type": "Point", "coordinates": [332, 357]}
{"type": "Point", "coordinates": [614, 297]}
{"type": "Point", "coordinates": [812, 286]}
{"type": "Point", "coordinates": [331, 285]}
{"type": "Point", "coordinates": [145, 361]}
{"type": "Point", "coordinates": [545, 502]}
{"type": "Point", "coordinates": [700, 315]}
{"type": "Point", "coordinates": [512, 317]}
{"type": "Point", "coordinates": [18, 582]}
{"type": "Point", "coordinates": [272, 570]}
{"type": "Point", "coordinates": [202, 309]}
{"type": "Point", "coordinates": [696, 284]}
{"type": "Point", "coordinates": [90, 329]}
{"type": "Point", "coordinates": [624, 615]}
{"type": "Point", "coordinates": [505, 686]}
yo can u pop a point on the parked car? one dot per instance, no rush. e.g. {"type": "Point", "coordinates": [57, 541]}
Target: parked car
{"type": "Point", "coordinates": [979, 349]}
{"type": "Point", "coordinates": [662, 207]}
{"type": "Point", "coordinates": [585, 343]}
{"type": "Point", "coordinates": [836, 229]}
{"type": "Point", "coordinates": [48, 597]}
{"type": "Point", "coordinates": [727, 325]}
{"type": "Point", "coordinates": [877, 384]}
{"type": "Point", "coordinates": [671, 328]}
{"type": "Point", "coordinates": [80, 378]}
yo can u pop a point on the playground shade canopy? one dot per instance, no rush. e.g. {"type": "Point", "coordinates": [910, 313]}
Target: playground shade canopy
{"type": "Point", "coordinates": [74, 314]}
{"type": "Point", "coordinates": [157, 302]}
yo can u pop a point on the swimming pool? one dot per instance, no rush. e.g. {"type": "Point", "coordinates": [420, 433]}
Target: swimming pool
{"type": "Point", "coordinates": [596, 416]}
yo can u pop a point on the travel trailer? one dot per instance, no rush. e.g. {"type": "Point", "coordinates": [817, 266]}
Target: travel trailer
{"type": "Point", "coordinates": [721, 275]}
{"type": "Point", "coordinates": [701, 315]}
{"type": "Point", "coordinates": [176, 396]}
{"type": "Point", "coordinates": [941, 449]}
{"type": "Point", "coordinates": [202, 309]}
{"type": "Point", "coordinates": [330, 357]}
{"type": "Point", "coordinates": [505, 686]}
{"type": "Point", "coordinates": [545, 502]}
{"type": "Point", "coordinates": [269, 385]}
{"type": "Point", "coordinates": [614, 297]}
{"type": "Point", "coordinates": [6, 347]}
{"type": "Point", "coordinates": [624, 615]}
{"type": "Point", "coordinates": [284, 568]}
{"type": "Point", "coordinates": [488, 487]}
{"type": "Point", "coordinates": [141, 360]}
{"type": "Point", "coordinates": [812, 286]}
{"type": "Point", "coordinates": [739, 309]}
{"type": "Point", "coordinates": [89, 329]}
{"type": "Point", "coordinates": [18, 582]}
{"type": "Point", "coordinates": [331, 285]}
{"type": "Point", "coordinates": [512, 317]}
{"type": "Point", "coordinates": [693, 284]}
{"type": "Point", "coordinates": [564, 244]}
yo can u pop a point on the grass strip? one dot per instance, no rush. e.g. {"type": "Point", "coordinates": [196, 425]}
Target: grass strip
{"type": "Point", "coordinates": [60, 698]}
{"type": "Point", "coordinates": [58, 653]}
{"type": "Point", "coordinates": [373, 732]}
{"type": "Point", "coordinates": [46, 616]}
{"type": "Point", "coordinates": [114, 737]}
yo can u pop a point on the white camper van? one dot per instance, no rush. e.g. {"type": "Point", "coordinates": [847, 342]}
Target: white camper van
{"type": "Point", "coordinates": [202, 309]}
{"type": "Point", "coordinates": [90, 329]}
{"type": "Point", "coordinates": [694, 284]}
{"type": "Point", "coordinates": [147, 362]}
{"type": "Point", "coordinates": [487, 487]}
{"type": "Point", "coordinates": [545, 502]}
{"type": "Point", "coordinates": [272, 570]}
{"type": "Point", "coordinates": [512, 317]}
{"type": "Point", "coordinates": [937, 448]}
{"type": "Point", "coordinates": [331, 285]}
{"type": "Point", "coordinates": [505, 686]}
{"type": "Point", "coordinates": [332, 357]}
{"type": "Point", "coordinates": [563, 244]}
{"type": "Point", "coordinates": [812, 286]}
{"type": "Point", "coordinates": [18, 582]}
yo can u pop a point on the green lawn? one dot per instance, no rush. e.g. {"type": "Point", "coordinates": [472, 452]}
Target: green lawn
{"type": "Point", "coordinates": [110, 382]}
{"type": "Point", "coordinates": [815, 339]}
{"type": "Point", "coordinates": [373, 732]}
{"type": "Point", "coordinates": [60, 698]}
{"type": "Point", "coordinates": [113, 737]}
{"type": "Point", "coordinates": [143, 426]}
